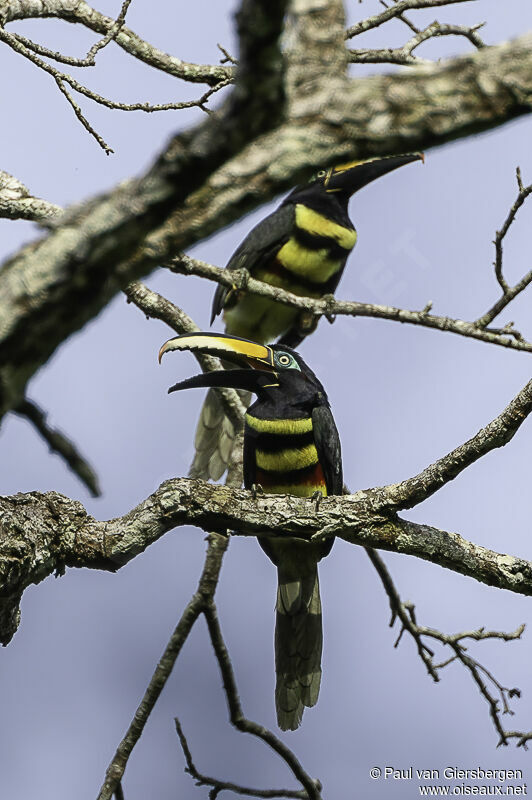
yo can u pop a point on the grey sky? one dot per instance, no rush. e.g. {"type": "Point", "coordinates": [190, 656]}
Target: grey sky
{"type": "Point", "coordinates": [401, 396]}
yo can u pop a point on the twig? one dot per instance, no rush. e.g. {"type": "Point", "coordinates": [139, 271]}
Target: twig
{"type": "Point", "coordinates": [404, 55]}
{"type": "Point", "coordinates": [406, 614]}
{"type": "Point", "coordinates": [81, 13]}
{"type": "Point", "coordinates": [395, 11]}
{"type": "Point", "coordinates": [60, 444]}
{"type": "Point", "coordinates": [227, 56]}
{"type": "Point", "coordinates": [399, 610]}
{"type": "Point", "coordinates": [62, 78]}
{"type": "Point", "coordinates": [217, 545]}
{"type": "Point", "coordinates": [508, 292]}
{"type": "Point", "coordinates": [402, 17]}
{"type": "Point", "coordinates": [220, 786]}
{"type": "Point", "coordinates": [312, 787]}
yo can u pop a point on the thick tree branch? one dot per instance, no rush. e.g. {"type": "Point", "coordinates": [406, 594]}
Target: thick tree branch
{"type": "Point", "coordinates": [42, 533]}
{"type": "Point", "coordinates": [121, 236]}
{"type": "Point", "coordinates": [43, 304]}
{"type": "Point", "coordinates": [16, 202]}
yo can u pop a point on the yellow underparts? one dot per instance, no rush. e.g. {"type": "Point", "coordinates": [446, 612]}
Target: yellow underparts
{"type": "Point", "coordinates": [314, 223]}
{"type": "Point", "coordinates": [280, 426]}
{"type": "Point", "coordinates": [313, 265]}
{"type": "Point", "coordinates": [291, 458]}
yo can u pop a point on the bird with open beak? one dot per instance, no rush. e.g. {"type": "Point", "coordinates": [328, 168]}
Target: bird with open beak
{"type": "Point", "coordinates": [302, 247]}
{"type": "Point", "coordinates": [291, 446]}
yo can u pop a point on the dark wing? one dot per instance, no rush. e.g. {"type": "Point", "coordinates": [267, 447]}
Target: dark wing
{"type": "Point", "coordinates": [328, 447]}
{"type": "Point", "coordinates": [249, 465]}
{"type": "Point", "coordinates": [261, 244]}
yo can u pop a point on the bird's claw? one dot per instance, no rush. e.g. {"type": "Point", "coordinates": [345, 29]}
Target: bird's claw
{"type": "Point", "coordinates": [317, 497]}
{"type": "Point", "coordinates": [256, 489]}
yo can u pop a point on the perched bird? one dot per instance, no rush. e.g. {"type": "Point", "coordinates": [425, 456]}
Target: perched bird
{"type": "Point", "coordinates": [291, 446]}
{"type": "Point", "coordinates": [302, 247]}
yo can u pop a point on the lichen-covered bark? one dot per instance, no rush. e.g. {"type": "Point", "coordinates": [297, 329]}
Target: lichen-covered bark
{"type": "Point", "coordinates": [44, 533]}
{"type": "Point", "coordinates": [212, 174]}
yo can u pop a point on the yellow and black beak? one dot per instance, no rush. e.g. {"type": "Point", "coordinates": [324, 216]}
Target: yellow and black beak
{"type": "Point", "coordinates": [242, 352]}
{"type": "Point", "coordinates": [351, 177]}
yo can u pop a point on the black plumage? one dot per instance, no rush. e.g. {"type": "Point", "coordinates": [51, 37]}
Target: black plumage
{"type": "Point", "coordinates": [303, 247]}
{"type": "Point", "coordinates": [291, 445]}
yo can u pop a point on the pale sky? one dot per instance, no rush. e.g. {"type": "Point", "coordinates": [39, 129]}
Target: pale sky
{"type": "Point", "coordinates": [402, 397]}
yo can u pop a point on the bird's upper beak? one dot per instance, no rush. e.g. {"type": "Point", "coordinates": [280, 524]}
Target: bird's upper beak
{"type": "Point", "coordinates": [351, 177]}
{"type": "Point", "coordinates": [230, 348]}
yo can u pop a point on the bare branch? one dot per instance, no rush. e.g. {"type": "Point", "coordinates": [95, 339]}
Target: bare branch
{"type": "Point", "coordinates": [482, 677]}
{"type": "Point", "coordinates": [60, 444]}
{"type": "Point", "coordinates": [220, 786]}
{"type": "Point", "coordinates": [80, 12]}
{"type": "Point", "coordinates": [508, 292]}
{"type": "Point", "coordinates": [61, 78]}
{"type": "Point", "coordinates": [217, 546]}
{"type": "Point", "coordinates": [404, 55]}
{"type": "Point", "coordinates": [395, 11]}
{"type": "Point", "coordinates": [329, 307]}
{"type": "Point", "coordinates": [43, 533]}
{"type": "Point", "coordinates": [312, 787]}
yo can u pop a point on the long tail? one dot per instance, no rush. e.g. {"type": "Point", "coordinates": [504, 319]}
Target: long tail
{"type": "Point", "coordinates": [214, 438]}
{"type": "Point", "coordinates": [298, 645]}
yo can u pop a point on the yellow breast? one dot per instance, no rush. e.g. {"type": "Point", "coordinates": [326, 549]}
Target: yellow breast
{"type": "Point", "coordinates": [312, 222]}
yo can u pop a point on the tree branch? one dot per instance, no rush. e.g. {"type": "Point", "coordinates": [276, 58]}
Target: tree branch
{"type": "Point", "coordinates": [496, 434]}
{"type": "Point", "coordinates": [206, 588]}
{"type": "Point", "coordinates": [482, 677]}
{"type": "Point", "coordinates": [118, 237]}
{"type": "Point", "coordinates": [80, 12]}
{"type": "Point", "coordinates": [44, 533]}
{"type": "Point", "coordinates": [16, 202]}
{"type": "Point", "coordinates": [395, 11]}
{"type": "Point", "coordinates": [227, 786]}
{"type": "Point", "coordinates": [329, 307]}
{"type": "Point", "coordinates": [60, 444]}
{"type": "Point", "coordinates": [508, 292]}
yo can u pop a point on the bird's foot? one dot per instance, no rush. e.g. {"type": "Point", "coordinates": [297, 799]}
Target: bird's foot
{"type": "Point", "coordinates": [317, 497]}
{"type": "Point", "coordinates": [330, 302]}
{"type": "Point", "coordinates": [256, 489]}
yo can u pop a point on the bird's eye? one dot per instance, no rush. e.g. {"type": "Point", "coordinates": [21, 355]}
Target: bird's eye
{"type": "Point", "coordinates": [322, 173]}
{"type": "Point", "coordinates": [284, 360]}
